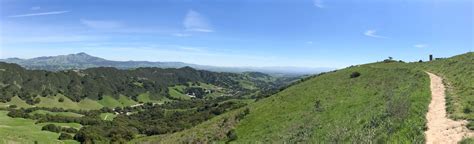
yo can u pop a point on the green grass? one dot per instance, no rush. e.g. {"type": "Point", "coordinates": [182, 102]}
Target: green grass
{"type": "Point", "coordinates": [73, 125]}
{"type": "Point", "coordinates": [467, 141]}
{"type": "Point", "coordinates": [144, 98]}
{"type": "Point", "coordinates": [67, 114]}
{"type": "Point", "coordinates": [352, 110]}
{"type": "Point", "coordinates": [53, 101]}
{"type": "Point", "coordinates": [16, 101]}
{"type": "Point", "coordinates": [247, 84]}
{"type": "Point", "coordinates": [458, 73]}
{"type": "Point", "coordinates": [88, 104]}
{"type": "Point", "coordinates": [122, 101]}
{"type": "Point", "coordinates": [176, 92]}
{"type": "Point", "coordinates": [109, 101]}
{"type": "Point", "coordinates": [107, 116]}
{"type": "Point", "coordinates": [19, 130]}
{"type": "Point", "coordinates": [125, 101]}
{"type": "Point", "coordinates": [383, 105]}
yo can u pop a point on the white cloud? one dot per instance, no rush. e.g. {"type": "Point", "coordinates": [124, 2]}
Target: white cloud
{"type": "Point", "coordinates": [309, 42]}
{"type": "Point", "coordinates": [318, 3]}
{"type": "Point", "coordinates": [192, 49]}
{"type": "Point", "coordinates": [39, 14]}
{"type": "Point", "coordinates": [51, 39]}
{"type": "Point", "coordinates": [35, 8]}
{"type": "Point", "coordinates": [182, 35]}
{"type": "Point", "coordinates": [420, 45]}
{"type": "Point", "coordinates": [373, 33]}
{"type": "Point", "coordinates": [101, 24]}
{"type": "Point", "coordinates": [194, 21]}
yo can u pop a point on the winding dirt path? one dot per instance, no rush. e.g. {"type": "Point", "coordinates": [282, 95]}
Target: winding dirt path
{"type": "Point", "coordinates": [441, 129]}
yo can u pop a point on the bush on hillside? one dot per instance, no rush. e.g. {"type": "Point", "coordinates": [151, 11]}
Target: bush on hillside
{"type": "Point", "coordinates": [231, 135]}
{"type": "Point", "coordinates": [470, 125]}
{"type": "Point", "coordinates": [318, 106]}
{"type": "Point", "coordinates": [51, 128]}
{"type": "Point", "coordinates": [61, 100]}
{"type": "Point", "coordinates": [65, 136]}
{"type": "Point", "coordinates": [355, 74]}
{"type": "Point", "coordinates": [12, 106]}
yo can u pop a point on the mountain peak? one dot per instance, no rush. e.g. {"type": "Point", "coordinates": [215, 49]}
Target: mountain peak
{"type": "Point", "coordinates": [82, 54]}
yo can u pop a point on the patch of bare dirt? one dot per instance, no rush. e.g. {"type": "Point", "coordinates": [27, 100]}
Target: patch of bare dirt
{"type": "Point", "coordinates": [441, 129]}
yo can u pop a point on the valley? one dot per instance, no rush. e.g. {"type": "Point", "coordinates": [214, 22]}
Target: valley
{"type": "Point", "coordinates": [236, 72]}
{"type": "Point", "coordinates": [378, 102]}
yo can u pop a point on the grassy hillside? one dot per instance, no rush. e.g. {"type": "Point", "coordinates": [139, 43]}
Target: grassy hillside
{"type": "Point", "coordinates": [66, 114]}
{"type": "Point", "coordinates": [30, 132]}
{"type": "Point", "coordinates": [383, 104]}
{"type": "Point", "coordinates": [458, 73]}
{"type": "Point", "coordinates": [53, 102]}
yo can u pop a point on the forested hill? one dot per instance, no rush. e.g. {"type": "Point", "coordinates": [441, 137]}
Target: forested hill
{"type": "Point", "coordinates": [84, 61]}
{"type": "Point", "coordinates": [94, 83]}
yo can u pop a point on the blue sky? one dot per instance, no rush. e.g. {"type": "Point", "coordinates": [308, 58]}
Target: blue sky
{"type": "Point", "coordinates": [302, 33]}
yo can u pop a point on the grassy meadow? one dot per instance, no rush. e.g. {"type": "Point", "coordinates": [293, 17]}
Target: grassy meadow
{"type": "Point", "coordinates": [19, 130]}
{"type": "Point", "coordinates": [381, 105]}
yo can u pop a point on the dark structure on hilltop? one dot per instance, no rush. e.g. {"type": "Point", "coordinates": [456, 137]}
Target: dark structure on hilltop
{"type": "Point", "coordinates": [431, 57]}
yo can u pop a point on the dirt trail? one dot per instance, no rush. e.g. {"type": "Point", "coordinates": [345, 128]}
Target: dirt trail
{"type": "Point", "coordinates": [441, 129]}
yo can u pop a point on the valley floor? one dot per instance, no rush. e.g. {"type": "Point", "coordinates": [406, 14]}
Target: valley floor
{"type": "Point", "coordinates": [441, 129]}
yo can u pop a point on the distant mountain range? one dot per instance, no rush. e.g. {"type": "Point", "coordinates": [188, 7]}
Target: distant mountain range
{"type": "Point", "coordinates": [84, 61]}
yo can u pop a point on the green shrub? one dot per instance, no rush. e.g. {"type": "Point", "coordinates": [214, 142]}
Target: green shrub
{"type": "Point", "coordinates": [61, 100]}
{"type": "Point", "coordinates": [12, 106]}
{"type": "Point", "coordinates": [231, 135]}
{"type": "Point", "coordinates": [51, 128]}
{"type": "Point", "coordinates": [470, 125]}
{"type": "Point", "coordinates": [65, 136]}
{"type": "Point", "coordinates": [467, 141]}
{"type": "Point", "coordinates": [355, 74]}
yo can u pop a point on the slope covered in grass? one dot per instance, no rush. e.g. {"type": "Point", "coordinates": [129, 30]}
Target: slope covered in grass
{"type": "Point", "coordinates": [68, 125]}
{"type": "Point", "coordinates": [10, 127]}
{"type": "Point", "coordinates": [458, 73]}
{"type": "Point", "coordinates": [53, 102]}
{"type": "Point", "coordinates": [15, 101]}
{"type": "Point", "coordinates": [66, 114]}
{"type": "Point", "coordinates": [381, 105]}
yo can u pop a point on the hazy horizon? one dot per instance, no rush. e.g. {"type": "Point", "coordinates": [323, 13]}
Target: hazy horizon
{"type": "Point", "coordinates": [309, 33]}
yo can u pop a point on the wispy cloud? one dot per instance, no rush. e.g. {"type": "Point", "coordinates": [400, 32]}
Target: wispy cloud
{"type": "Point", "coordinates": [191, 49]}
{"type": "Point", "coordinates": [101, 24]}
{"type": "Point", "coordinates": [373, 33]}
{"type": "Point", "coordinates": [420, 45]}
{"type": "Point", "coordinates": [39, 14]}
{"type": "Point", "coordinates": [35, 8]}
{"type": "Point", "coordinates": [309, 42]}
{"type": "Point", "coordinates": [318, 3]}
{"type": "Point", "coordinates": [194, 21]}
{"type": "Point", "coordinates": [52, 39]}
{"type": "Point", "coordinates": [182, 35]}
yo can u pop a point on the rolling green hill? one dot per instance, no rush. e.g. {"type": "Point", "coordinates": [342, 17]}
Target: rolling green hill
{"type": "Point", "coordinates": [383, 102]}
{"type": "Point", "coordinates": [19, 130]}
{"type": "Point", "coordinates": [458, 73]}
{"type": "Point", "coordinates": [387, 103]}
{"type": "Point", "coordinates": [113, 87]}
